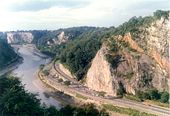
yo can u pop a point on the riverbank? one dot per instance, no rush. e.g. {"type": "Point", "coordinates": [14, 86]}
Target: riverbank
{"type": "Point", "coordinates": [59, 93]}
{"type": "Point", "coordinates": [26, 72]}
{"type": "Point", "coordinates": [12, 66]}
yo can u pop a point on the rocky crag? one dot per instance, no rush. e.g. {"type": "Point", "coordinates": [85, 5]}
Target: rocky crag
{"type": "Point", "coordinates": [19, 37]}
{"type": "Point", "coordinates": [129, 64]}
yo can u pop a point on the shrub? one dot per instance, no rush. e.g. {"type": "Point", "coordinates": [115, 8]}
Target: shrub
{"type": "Point", "coordinates": [45, 72]}
{"type": "Point", "coordinates": [67, 83]}
{"type": "Point", "coordinates": [164, 97]}
{"type": "Point", "coordinates": [154, 94]}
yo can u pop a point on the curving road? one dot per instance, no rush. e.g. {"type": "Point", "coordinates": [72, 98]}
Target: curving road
{"type": "Point", "coordinates": [80, 89]}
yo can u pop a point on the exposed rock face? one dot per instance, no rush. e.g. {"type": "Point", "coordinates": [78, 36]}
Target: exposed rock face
{"type": "Point", "coordinates": [142, 65]}
{"type": "Point", "coordinates": [19, 37]}
{"type": "Point", "coordinates": [128, 39]}
{"type": "Point", "coordinates": [99, 76]}
{"type": "Point", "coordinates": [103, 77]}
{"type": "Point", "coordinates": [157, 39]}
{"type": "Point", "coordinates": [61, 38]}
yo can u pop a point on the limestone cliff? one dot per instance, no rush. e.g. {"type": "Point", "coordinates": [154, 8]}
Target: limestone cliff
{"type": "Point", "coordinates": [136, 64]}
{"type": "Point", "coordinates": [59, 39]}
{"type": "Point", "coordinates": [99, 76]}
{"type": "Point", "coordinates": [19, 37]}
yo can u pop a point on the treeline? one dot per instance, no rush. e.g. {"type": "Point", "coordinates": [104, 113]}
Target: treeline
{"type": "Point", "coordinates": [153, 94]}
{"type": "Point", "coordinates": [7, 54]}
{"type": "Point", "coordinates": [15, 101]}
{"type": "Point", "coordinates": [134, 24]}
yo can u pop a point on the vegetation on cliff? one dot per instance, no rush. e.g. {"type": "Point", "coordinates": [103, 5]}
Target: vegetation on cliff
{"type": "Point", "coordinates": [7, 54]}
{"type": "Point", "coordinates": [78, 54]}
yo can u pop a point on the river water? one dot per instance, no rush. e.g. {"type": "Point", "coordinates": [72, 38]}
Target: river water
{"type": "Point", "coordinates": [27, 73]}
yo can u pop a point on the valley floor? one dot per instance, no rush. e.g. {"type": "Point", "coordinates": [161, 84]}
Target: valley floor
{"type": "Point", "coordinates": [81, 92]}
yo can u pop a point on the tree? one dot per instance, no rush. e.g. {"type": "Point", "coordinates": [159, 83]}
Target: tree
{"type": "Point", "coordinates": [7, 54]}
{"type": "Point", "coordinates": [153, 93]}
{"type": "Point", "coordinates": [15, 101]}
{"type": "Point", "coordinates": [159, 13]}
{"type": "Point", "coordinates": [164, 97]}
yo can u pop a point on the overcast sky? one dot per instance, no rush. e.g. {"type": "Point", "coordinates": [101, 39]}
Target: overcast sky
{"type": "Point", "coordinates": [54, 14]}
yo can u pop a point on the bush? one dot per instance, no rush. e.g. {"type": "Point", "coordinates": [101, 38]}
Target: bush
{"type": "Point", "coordinates": [67, 83]}
{"type": "Point", "coordinates": [45, 72]}
{"type": "Point", "coordinates": [164, 97]}
{"type": "Point", "coordinates": [154, 94]}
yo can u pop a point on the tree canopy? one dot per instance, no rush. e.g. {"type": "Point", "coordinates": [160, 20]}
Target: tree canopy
{"type": "Point", "coordinates": [7, 54]}
{"type": "Point", "coordinates": [14, 100]}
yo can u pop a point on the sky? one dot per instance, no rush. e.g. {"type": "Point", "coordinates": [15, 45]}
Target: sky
{"type": "Point", "coordinates": [54, 14]}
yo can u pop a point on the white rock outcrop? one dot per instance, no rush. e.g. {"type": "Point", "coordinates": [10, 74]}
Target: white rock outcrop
{"type": "Point", "coordinates": [147, 66]}
{"type": "Point", "coordinates": [99, 76]}
{"type": "Point", "coordinates": [19, 37]}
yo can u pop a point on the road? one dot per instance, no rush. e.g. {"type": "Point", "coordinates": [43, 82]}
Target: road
{"type": "Point", "coordinates": [84, 91]}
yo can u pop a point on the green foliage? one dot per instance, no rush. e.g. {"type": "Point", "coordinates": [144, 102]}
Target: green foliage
{"type": "Point", "coordinates": [7, 54]}
{"type": "Point", "coordinates": [114, 60]}
{"type": "Point", "coordinates": [153, 94]}
{"type": "Point", "coordinates": [41, 37]}
{"type": "Point", "coordinates": [135, 22]}
{"type": "Point", "coordinates": [15, 101]}
{"type": "Point", "coordinates": [159, 13]}
{"type": "Point", "coordinates": [84, 110]}
{"type": "Point", "coordinates": [127, 111]}
{"type": "Point", "coordinates": [46, 72]}
{"type": "Point", "coordinates": [164, 97]}
{"type": "Point", "coordinates": [84, 42]}
{"type": "Point", "coordinates": [78, 55]}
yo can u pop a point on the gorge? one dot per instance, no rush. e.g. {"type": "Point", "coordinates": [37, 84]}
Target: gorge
{"type": "Point", "coordinates": [97, 65]}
